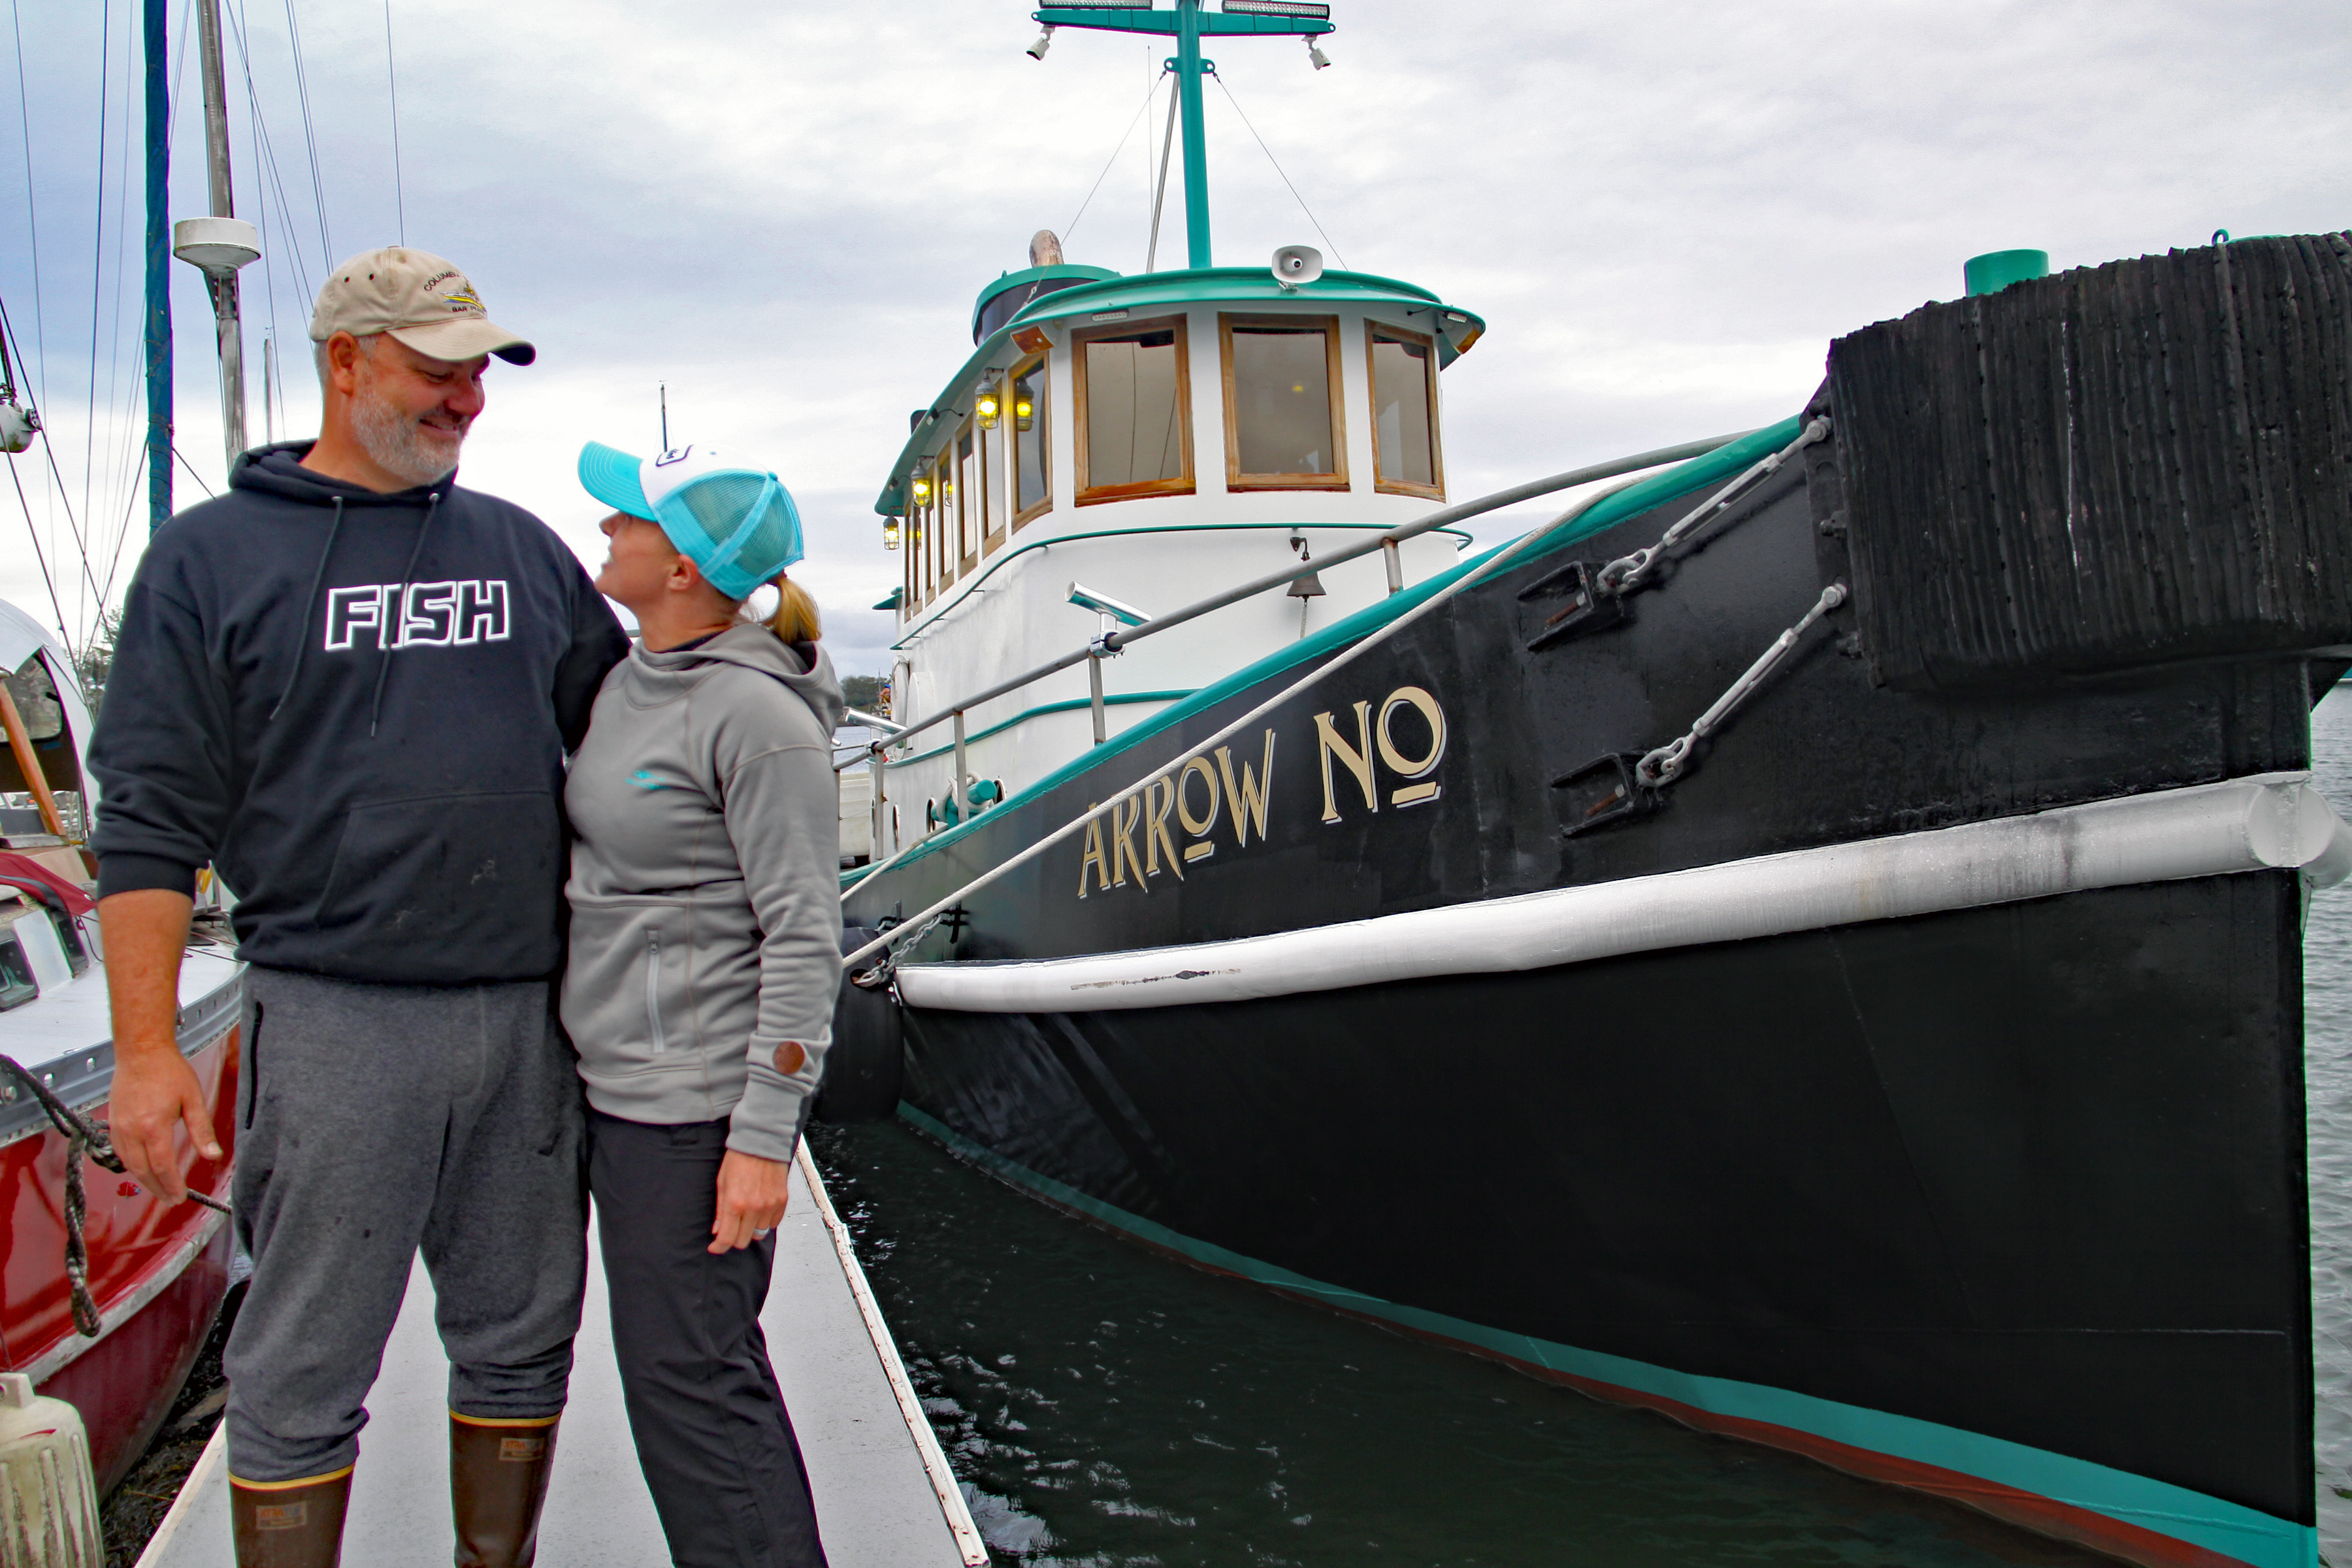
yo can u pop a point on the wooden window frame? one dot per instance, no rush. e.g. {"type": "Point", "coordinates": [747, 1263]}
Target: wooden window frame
{"type": "Point", "coordinates": [971, 432]}
{"type": "Point", "coordinates": [1373, 333]}
{"type": "Point", "coordinates": [909, 532]}
{"type": "Point", "coordinates": [1183, 484]}
{"type": "Point", "coordinates": [996, 496]}
{"type": "Point", "coordinates": [1330, 327]}
{"type": "Point", "coordinates": [943, 561]}
{"type": "Point", "coordinates": [1041, 365]}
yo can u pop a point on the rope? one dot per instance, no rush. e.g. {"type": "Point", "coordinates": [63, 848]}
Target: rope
{"type": "Point", "coordinates": [85, 1139]}
{"type": "Point", "coordinates": [1469, 578]}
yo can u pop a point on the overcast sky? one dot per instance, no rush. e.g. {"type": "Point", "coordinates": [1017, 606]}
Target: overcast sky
{"type": "Point", "coordinates": [1665, 212]}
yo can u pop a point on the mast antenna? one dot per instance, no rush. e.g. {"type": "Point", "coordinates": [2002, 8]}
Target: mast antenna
{"type": "Point", "coordinates": [1188, 22]}
{"type": "Point", "coordinates": [665, 413]}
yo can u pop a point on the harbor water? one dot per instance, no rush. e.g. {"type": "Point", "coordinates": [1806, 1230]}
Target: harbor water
{"type": "Point", "coordinates": [1106, 1407]}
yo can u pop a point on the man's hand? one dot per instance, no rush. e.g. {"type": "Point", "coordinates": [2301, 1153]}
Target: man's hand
{"type": "Point", "coordinates": [751, 1196]}
{"type": "Point", "coordinates": [155, 1091]}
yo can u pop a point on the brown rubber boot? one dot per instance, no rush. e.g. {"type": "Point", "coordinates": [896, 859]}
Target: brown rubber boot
{"type": "Point", "coordinates": [497, 1480]}
{"type": "Point", "coordinates": [289, 1525]}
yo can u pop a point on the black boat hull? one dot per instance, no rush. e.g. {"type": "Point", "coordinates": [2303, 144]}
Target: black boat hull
{"type": "Point", "coordinates": [2035, 1247]}
{"type": "Point", "coordinates": [1984, 1175]}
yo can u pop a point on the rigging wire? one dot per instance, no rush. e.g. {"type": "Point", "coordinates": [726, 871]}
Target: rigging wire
{"type": "Point", "coordinates": [32, 213]}
{"type": "Point", "coordinates": [1107, 163]}
{"type": "Point", "coordinates": [392, 75]}
{"type": "Point", "coordinates": [98, 249]}
{"type": "Point", "coordinates": [192, 472]}
{"type": "Point", "coordinates": [56, 476]}
{"type": "Point", "coordinates": [42, 556]}
{"type": "Point", "coordinates": [268, 150]}
{"type": "Point", "coordinates": [310, 136]}
{"type": "Point", "coordinates": [1286, 178]}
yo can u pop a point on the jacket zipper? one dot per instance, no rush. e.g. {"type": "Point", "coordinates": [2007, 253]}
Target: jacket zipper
{"type": "Point", "coordinates": [652, 990]}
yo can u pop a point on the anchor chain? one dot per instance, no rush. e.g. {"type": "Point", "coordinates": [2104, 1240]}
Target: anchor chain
{"type": "Point", "coordinates": [1663, 766]}
{"type": "Point", "coordinates": [886, 968]}
{"type": "Point", "coordinates": [1629, 573]}
{"type": "Point", "coordinates": [85, 1139]}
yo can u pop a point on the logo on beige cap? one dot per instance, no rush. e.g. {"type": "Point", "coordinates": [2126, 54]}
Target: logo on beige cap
{"type": "Point", "coordinates": [417, 298]}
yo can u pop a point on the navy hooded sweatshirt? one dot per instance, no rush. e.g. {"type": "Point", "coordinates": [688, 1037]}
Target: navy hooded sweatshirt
{"type": "Point", "coordinates": [356, 706]}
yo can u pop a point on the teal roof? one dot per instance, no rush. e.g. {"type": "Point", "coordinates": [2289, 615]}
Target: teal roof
{"type": "Point", "coordinates": [1455, 328]}
{"type": "Point", "coordinates": [1030, 274]}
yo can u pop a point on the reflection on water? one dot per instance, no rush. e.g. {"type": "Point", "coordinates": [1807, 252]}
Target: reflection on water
{"type": "Point", "coordinates": [1106, 1408]}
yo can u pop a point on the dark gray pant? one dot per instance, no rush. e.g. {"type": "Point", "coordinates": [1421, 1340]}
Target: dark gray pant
{"type": "Point", "coordinates": [374, 1121]}
{"type": "Point", "coordinates": [712, 1435]}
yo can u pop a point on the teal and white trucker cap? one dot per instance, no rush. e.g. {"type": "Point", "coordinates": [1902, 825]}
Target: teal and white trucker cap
{"type": "Point", "coordinates": [738, 525]}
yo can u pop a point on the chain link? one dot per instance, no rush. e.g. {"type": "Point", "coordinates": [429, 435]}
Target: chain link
{"type": "Point", "coordinates": [1666, 764]}
{"type": "Point", "coordinates": [1629, 573]}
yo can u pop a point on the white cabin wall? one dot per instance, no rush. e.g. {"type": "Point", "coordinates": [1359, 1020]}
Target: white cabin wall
{"type": "Point", "coordinates": [1000, 622]}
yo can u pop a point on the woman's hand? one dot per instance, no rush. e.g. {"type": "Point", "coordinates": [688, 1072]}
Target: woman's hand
{"type": "Point", "coordinates": [751, 1196]}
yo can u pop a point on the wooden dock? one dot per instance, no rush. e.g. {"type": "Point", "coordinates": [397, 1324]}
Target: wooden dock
{"type": "Point", "coordinates": [885, 1498]}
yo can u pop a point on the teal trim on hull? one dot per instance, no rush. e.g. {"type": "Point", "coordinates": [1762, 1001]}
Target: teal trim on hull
{"type": "Point", "coordinates": [2236, 1533]}
{"type": "Point", "coordinates": [1719, 465]}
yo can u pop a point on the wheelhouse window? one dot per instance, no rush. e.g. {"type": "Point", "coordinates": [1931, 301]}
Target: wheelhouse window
{"type": "Point", "coordinates": [1033, 488]}
{"type": "Point", "coordinates": [910, 551]}
{"type": "Point", "coordinates": [1135, 427]}
{"type": "Point", "coordinates": [918, 537]}
{"type": "Point", "coordinates": [1405, 459]}
{"type": "Point", "coordinates": [968, 489]}
{"type": "Point", "coordinates": [943, 503]}
{"type": "Point", "coordinates": [992, 468]}
{"type": "Point", "coordinates": [1282, 403]}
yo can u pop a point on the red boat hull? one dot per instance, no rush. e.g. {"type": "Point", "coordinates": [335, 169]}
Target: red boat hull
{"type": "Point", "coordinates": [157, 1271]}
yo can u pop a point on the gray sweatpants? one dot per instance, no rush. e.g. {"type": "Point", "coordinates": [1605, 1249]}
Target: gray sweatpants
{"type": "Point", "coordinates": [374, 1120]}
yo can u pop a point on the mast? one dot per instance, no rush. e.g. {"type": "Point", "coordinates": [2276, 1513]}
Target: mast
{"type": "Point", "coordinates": [159, 282]}
{"type": "Point", "coordinates": [221, 244]}
{"type": "Point", "coordinates": [1189, 24]}
{"type": "Point", "coordinates": [1196, 141]}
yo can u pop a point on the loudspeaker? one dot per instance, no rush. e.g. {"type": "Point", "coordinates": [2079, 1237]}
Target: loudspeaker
{"type": "Point", "coordinates": [1297, 264]}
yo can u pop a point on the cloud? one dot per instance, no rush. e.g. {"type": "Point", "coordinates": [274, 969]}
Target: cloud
{"type": "Point", "coordinates": [1664, 212]}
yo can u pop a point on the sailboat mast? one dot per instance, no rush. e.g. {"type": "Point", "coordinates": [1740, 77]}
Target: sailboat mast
{"type": "Point", "coordinates": [222, 281]}
{"type": "Point", "coordinates": [159, 263]}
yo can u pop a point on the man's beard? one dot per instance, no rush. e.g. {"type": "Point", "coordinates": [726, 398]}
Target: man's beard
{"type": "Point", "coordinates": [398, 444]}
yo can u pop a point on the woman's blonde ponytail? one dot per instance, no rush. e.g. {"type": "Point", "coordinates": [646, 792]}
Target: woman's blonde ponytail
{"type": "Point", "coordinates": [795, 619]}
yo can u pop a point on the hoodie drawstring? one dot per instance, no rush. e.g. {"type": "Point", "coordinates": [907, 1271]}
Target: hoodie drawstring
{"type": "Point", "coordinates": [302, 647]}
{"type": "Point", "coordinates": [388, 634]}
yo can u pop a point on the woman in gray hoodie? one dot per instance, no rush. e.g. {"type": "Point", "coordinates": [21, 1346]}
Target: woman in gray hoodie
{"type": "Point", "coordinates": [705, 956]}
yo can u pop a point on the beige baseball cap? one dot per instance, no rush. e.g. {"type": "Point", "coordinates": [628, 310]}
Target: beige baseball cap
{"type": "Point", "coordinates": [417, 298]}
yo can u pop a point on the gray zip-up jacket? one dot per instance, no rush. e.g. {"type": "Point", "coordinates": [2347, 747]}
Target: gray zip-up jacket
{"type": "Point", "coordinates": [706, 895]}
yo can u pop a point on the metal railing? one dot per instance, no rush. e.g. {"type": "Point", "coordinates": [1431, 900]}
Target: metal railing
{"type": "Point", "coordinates": [1110, 643]}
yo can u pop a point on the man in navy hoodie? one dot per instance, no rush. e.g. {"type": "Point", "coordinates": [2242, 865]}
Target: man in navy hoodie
{"type": "Point", "coordinates": [350, 686]}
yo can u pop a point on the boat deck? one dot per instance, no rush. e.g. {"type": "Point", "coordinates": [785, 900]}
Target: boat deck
{"type": "Point", "coordinates": [884, 1496]}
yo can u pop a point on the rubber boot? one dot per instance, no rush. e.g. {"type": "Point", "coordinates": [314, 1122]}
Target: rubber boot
{"type": "Point", "coordinates": [289, 1525]}
{"type": "Point", "coordinates": [497, 1480]}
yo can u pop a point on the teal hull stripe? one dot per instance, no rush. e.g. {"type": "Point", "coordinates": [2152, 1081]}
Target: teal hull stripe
{"type": "Point", "coordinates": [1720, 463]}
{"type": "Point", "coordinates": [2223, 1527]}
